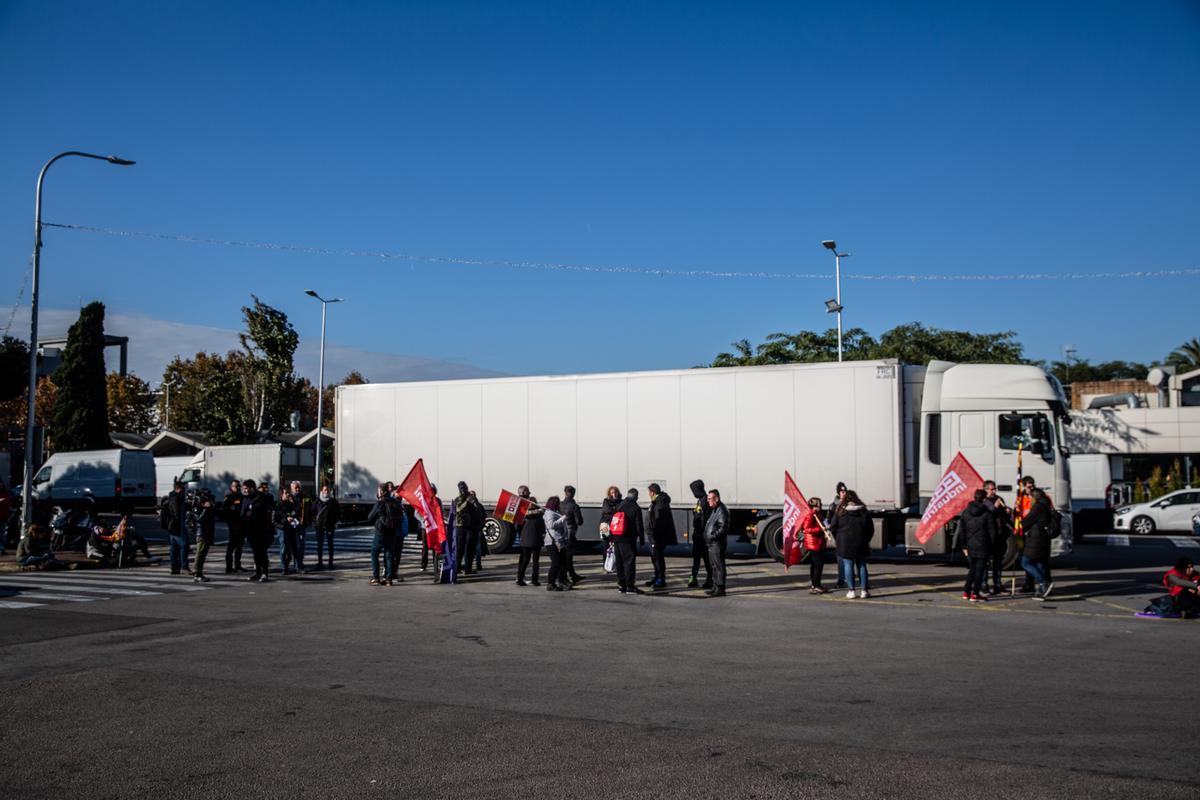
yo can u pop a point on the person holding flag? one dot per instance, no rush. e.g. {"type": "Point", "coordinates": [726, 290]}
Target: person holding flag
{"type": "Point", "coordinates": [814, 543]}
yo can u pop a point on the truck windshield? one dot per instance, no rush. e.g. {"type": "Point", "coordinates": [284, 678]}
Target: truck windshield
{"type": "Point", "coordinates": [1032, 432]}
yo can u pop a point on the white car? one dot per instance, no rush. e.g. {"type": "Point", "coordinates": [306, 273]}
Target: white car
{"type": "Point", "coordinates": [1171, 512]}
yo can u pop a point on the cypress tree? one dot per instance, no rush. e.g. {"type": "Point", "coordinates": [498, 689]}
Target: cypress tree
{"type": "Point", "coordinates": [80, 420]}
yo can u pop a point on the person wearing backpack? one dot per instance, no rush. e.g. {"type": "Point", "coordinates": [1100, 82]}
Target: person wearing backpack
{"type": "Point", "coordinates": [533, 533]}
{"type": "Point", "coordinates": [628, 531]}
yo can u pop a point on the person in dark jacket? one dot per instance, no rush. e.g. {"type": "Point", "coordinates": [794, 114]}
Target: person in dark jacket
{"type": "Point", "coordinates": [258, 510]}
{"type": "Point", "coordinates": [700, 514]}
{"type": "Point", "coordinates": [839, 499]}
{"type": "Point", "coordinates": [325, 520]}
{"type": "Point", "coordinates": [176, 514]}
{"type": "Point", "coordinates": [716, 534]}
{"type": "Point", "coordinates": [996, 505]}
{"type": "Point", "coordinates": [206, 528]}
{"type": "Point", "coordinates": [572, 519]}
{"type": "Point", "coordinates": [467, 523]}
{"type": "Point", "coordinates": [608, 507]}
{"type": "Point", "coordinates": [852, 530]}
{"type": "Point", "coordinates": [285, 525]}
{"type": "Point", "coordinates": [661, 530]}
{"type": "Point", "coordinates": [382, 542]}
{"type": "Point", "coordinates": [231, 515]}
{"type": "Point", "coordinates": [1183, 587]}
{"type": "Point", "coordinates": [626, 543]}
{"type": "Point", "coordinates": [302, 509]}
{"type": "Point", "coordinates": [533, 533]}
{"type": "Point", "coordinates": [976, 534]}
{"type": "Point", "coordinates": [1036, 553]}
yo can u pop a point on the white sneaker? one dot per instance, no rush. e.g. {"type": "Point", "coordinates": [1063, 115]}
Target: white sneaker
{"type": "Point", "coordinates": [850, 595]}
{"type": "Point", "coordinates": [864, 594]}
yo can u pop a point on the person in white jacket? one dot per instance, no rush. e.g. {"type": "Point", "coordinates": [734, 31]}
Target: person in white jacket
{"type": "Point", "coordinates": [555, 542]}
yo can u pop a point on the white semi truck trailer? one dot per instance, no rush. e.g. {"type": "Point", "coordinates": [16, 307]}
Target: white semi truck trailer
{"type": "Point", "coordinates": [886, 429]}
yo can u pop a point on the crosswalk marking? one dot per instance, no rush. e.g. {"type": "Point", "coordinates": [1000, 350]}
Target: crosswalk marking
{"type": "Point", "coordinates": [16, 604]}
{"type": "Point", "coordinates": [1118, 540]}
{"type": "Point", "coordinates": [1184, 541]}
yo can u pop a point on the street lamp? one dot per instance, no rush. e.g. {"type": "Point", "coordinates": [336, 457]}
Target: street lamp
{"type": "Point", "coordinates": [27, 489]}
{"type": "Point", "coordinates": [320, 386]}
{"type": "Point", "coordinates": [834, 306]}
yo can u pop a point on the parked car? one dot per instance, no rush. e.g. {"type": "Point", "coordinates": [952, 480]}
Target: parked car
{"type": "Point", "coordinates": [1171, 512]}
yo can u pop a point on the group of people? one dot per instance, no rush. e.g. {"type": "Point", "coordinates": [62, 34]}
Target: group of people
{"type": "Point", "coordinates": [252, 515]}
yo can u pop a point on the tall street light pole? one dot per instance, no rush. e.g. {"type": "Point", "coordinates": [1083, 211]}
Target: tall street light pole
{"type": "Point", "coordinates": [320, 386]}
{"type": "Point", "coordinates": [834, 306]}
{"type": "Point", "coordinates": [27, 488]}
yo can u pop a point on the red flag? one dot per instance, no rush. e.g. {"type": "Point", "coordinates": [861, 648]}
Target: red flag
{"type": "Point", "coordinates": [417, 490]}
{"type": "Point", "coordinates": [953, 492]}
{"type": "Point", "coordinates": [795, 509]}
{"type": "Point", "coordinates": [511, 508]}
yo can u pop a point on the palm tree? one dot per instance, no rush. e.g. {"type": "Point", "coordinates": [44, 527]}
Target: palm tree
{"type": "Point", "coordinates": [1187, 356]}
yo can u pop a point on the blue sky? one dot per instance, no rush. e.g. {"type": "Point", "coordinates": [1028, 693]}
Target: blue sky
{"type": "Point", "coordinates": [933, 137]}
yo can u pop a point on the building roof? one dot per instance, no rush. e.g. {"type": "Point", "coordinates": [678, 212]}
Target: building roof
{"type": "Point", "coordinates": [177, 443]}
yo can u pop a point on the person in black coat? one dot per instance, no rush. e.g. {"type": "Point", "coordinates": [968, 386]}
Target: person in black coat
{"type": "Point", "coordinates": [533, 532]}
{"type": "Point", "coordinates": [325, 520]}
{"type": "Point", "coordinates": [206, 528]}
{"type": "Point", "coordinates": [1036, 554]}
{"type": "Point", "coordinates": [716, 534]}
{"type": "Point", "coordinates": [1000, 512]}
{"type": "Point", "coordinates": [633, 535]}
{"type": "Point", "coordinates": [231, 515]}
{"type": "Point", "coordinates": [573, 516]}
{"type": "Point", "coordinates": [176, 528]}
{"type": "Point", "coordinates": [661, 525]}
{"type": "Point", "coordinates": [700, 514]}
{"type": "Point", "coordinates": [258, 511]}
{"type": "Point", "coordinates": [852, 529]}
{"type": "Point", "coordinates": [976, 534]}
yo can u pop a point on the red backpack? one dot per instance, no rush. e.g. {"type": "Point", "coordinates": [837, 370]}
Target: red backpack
{"type": "Point", "coordinates": [617, 526]}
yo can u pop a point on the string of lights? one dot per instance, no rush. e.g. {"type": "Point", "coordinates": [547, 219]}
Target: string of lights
{"type": "Point", "coordinates": [384, 255]}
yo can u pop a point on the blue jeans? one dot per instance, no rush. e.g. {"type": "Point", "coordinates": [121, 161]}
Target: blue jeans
{"type": "Point", "coordinates": [383, 544]}
{"type": "Point", "coordinates": [852, 568]}
{"type": "Point", "coordinates": [177, 550]}
{"type": "Point", "coordinates": [282, 543]}
{"type": "Point", "coordinates": [1036, 570]}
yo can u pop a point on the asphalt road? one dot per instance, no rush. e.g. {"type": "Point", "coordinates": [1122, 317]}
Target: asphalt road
{"type": "Point", "coordinates": [323, 686]}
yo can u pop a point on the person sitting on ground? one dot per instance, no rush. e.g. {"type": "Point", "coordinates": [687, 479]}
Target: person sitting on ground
{"type": "Point", "coordinates": [1183, 585]}
{"type": "Point", "coordinates": [33, 551]}
{"type": "Point", "coordinates": [134, 541]}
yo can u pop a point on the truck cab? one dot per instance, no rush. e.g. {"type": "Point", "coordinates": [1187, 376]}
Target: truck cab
{"type": "Point", "coordinates": [1007, 420]}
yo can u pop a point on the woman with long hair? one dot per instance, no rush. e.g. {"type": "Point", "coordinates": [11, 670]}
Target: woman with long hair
{"type": "Point", "coordinates": [852, 529]}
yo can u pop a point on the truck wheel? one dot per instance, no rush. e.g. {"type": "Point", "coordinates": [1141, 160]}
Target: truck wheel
{"type": "Point", "coordinates": [1012, 554]}
{"type": "Point", "coordinates": [772, 539]}
{"type": "Point", "coordinates": [1142, 526]}
{"type": "Point", "coordinates": [497, 534]}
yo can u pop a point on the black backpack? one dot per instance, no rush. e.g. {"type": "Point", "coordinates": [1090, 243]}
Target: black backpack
{"type": "Point", "coordinates": [164, 513]}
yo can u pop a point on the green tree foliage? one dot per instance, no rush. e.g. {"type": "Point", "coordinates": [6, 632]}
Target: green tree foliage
{"type": "Point", "coordinates": [206, 395]}
{"type": "Point", "coordinates": [1156, 488]}
{"type": "Point", "coordinates": [1174, 480]}
{"type": "Point", "coordinates": [1186, 357]}
{"type": "Point", "coordinates": [14, 368]}
{"type": "Point", "coordinates": [270, 388]}
{"type": "Point", "coordinates": [80, 420]}
{"type": "Point", "coordinates": [308, 406]}
{"type": "Point", "coordinates": [1084, 370]}
{"type": "Point", "coordinates": [913, 343]}
{"type": "Point", "coordinates": [1139, 491]}
{"type": "Point", "coordinates": [130, 404]}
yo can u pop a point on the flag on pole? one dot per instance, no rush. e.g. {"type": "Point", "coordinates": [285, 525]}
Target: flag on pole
{"type": "Point", "coordinates": [1019, 508]}
{"type": "Point", "coordinates": [953, 492]}
{"type": "Point", "coordinates": [511, 508]}
{"type": "Point", "coordinates": [418, 491]}
{"type": "Point", "coordinates": [795, 509]}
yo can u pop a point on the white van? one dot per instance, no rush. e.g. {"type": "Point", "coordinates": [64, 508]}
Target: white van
{"type": "Point", "coordinates": [116, 479]}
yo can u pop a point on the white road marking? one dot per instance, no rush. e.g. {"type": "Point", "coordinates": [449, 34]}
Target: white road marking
{"type": "Point", "coordinates": [1184, 541]}
{"type": "Point", "coordinates": [1118, 540]}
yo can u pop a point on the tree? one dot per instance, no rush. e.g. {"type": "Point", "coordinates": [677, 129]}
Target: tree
{"type": "Point", "coordinates": [130, 404]}
{"type": "Point", "coordinates": [270, 388]}
{"type": "Point", "coordinates": [1083, 370]}
{"type": "Point", "coordinates": [206, 395]}
{"type": "Point", "coordinates": [80, 420]}
{"type": "Point", "coordinates": [14, 383]}
{"type": "Point", "coordinates": [913, 343]}
{"type": "Point", "coordinates": [1186, 357]}
{"type": "Point", "coordinates": [308, 409]}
